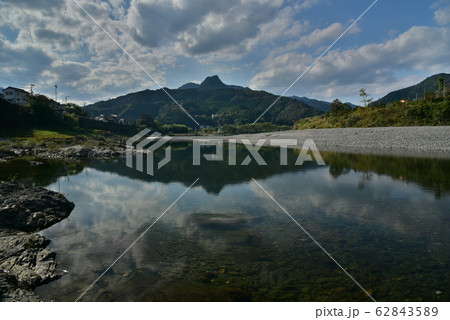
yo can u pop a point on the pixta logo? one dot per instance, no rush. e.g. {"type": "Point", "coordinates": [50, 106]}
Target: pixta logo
{"type": "Point", "coordinates": [144, 143]}
{"type": "Point", "coordinates": [283, 144]}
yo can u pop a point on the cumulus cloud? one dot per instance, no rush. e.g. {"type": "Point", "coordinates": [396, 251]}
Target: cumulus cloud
{"type": "Point", "coordinates": [367, 64]}
{"type": "Point", "coordinates": [57, 43]}
{"type": "Point", "coordinates": [56, 37]}
{"type": "Point", "coordinates": [199, 27]}
{"type": "Point", "coordinates": [22, 59]}
{"type": "Point", "coordinates": [306, 4]}
{"type": "Point", "coordinates": [283, 26]}
{"type": "Point", "coordinates": [442, 16]}
{"type": "Point", "coordinates": [319, 35]}
{"type": "Point", "coordinates": [33, 5]}
{"type": "Point", "coordinates": [54, 41]}
{"type": "Point", "coordinates": [61, 40]}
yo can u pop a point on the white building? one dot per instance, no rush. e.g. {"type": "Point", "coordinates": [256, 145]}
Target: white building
{"type": "Point", "coordinates": [15, 95]}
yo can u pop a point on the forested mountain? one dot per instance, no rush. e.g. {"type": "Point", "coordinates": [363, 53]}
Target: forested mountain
{"type": "Point", "coordinates": [211, 103]}
{"type": "Point", "coordinates": [430, 84]}
{"type": "Point", "coordinates": [316, 104]}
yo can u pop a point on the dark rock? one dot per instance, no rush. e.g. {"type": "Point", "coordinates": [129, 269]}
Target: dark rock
{"type": "Point", "coordinates": [31, 209]}
{"type": "Point", "coordinates": [11, 292]}
{"type": "Point", "coordinates": [76, 152]}
{"type": "Point", "coordinates": [81, 153]}
{"type": "Point", "coordinates": [7, 155]}
{"type": "Point", "coordinates": [24, 257]}
{"type": "Point", "coordinates": [19, 152]}
{"type": "Point", "coordinates": [25, 263]}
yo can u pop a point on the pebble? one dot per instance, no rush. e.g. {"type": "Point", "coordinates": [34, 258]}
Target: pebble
{"type": "Point", "coordinates": [432, 139]}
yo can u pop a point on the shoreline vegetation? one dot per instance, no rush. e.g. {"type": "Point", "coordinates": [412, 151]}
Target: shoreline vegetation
{"type": "Point", "coordinates": [421, 141]}
{"type": "Point", "coordinates": [431, 112]}
{"type": "Point", "coordinates": [403, 127]}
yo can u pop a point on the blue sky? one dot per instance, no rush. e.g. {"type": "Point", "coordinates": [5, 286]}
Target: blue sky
{"type": "Point", "coordinates": [262, 44]}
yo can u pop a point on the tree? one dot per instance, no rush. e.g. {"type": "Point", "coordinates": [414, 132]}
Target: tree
{"type": "Point", "coordinates": [43, 115]}
{"type": "Point", "coordinates": [76, 109]}
{"type": "Point", "coordinates": [146, 121]}
{"type": "Point", "coordinates": [365, 97]}
{"type": "Point", "coordinates": [429, 96]}
{"type": "Point", "coordinates": [441, 87]}
{"type": "Point", "coordinates": [336, 107]}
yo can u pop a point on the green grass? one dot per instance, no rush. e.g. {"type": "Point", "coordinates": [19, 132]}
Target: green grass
{"type": "Point", "coordinates": [54, 140]}
{"type": "Point", "coordinates": [396, 114]}
{"type": "Point", "coordinates": [47, 134]}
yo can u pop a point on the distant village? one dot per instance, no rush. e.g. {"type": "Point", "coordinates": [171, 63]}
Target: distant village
{"type": "Point", "coordinates": [22, 97]}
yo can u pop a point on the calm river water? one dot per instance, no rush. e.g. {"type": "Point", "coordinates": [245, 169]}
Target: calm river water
{"type": "Point", "coordinates": [386, 220]}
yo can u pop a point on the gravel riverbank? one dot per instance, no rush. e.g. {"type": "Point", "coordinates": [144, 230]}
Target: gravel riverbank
{"type": "Point", "coordinates": [401, 141]}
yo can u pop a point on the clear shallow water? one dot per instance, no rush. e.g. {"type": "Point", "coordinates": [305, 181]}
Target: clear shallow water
{"type": "Point", "coordinates": [384, 219]}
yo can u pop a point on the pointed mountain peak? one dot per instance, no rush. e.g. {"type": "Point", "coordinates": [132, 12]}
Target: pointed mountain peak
{"type": "Point", "coordinates": [212, 82]}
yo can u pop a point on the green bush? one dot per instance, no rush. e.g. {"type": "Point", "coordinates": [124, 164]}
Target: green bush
{"type": "Point", "coordinates": [410, 113]}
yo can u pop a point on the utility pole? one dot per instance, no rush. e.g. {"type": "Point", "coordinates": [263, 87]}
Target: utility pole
{"type": "Point", "coordinates": [56, 92]}
{"type": "Point", "coordinates": [31, 89]}
{"type": "Point", "coordinates": [65, 99]}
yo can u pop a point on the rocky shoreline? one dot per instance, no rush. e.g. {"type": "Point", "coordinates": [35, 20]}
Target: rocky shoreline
{"type": "Point", "coordinates": [399, 141]}
{"type": "Point", "coordinates": [76, 152]}
{"type": "Point", "coordinates": [25, 261]}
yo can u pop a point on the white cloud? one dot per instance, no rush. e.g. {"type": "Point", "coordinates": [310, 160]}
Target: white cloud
{"type": "Point", "coordinates": [61, 40]}
{"type": "Point", "coordinates": [320, 35]}
{"type": "Point", "coordinates": [306, 4]}
{"type": "Point", "coordinates": [200, 27]}
{"type": "Point", "coordinates": [54, 41]}
{"type": "Point", "coordinates": [58, 43]}
{"type": "Point", "coordinates": [22, 60]}
{"type": "Point", "coordinates": [372, 63]}
{"type": "Point", "coordinates": [283, 26]}
{"type": "Point", "coordinates": [442, 16]}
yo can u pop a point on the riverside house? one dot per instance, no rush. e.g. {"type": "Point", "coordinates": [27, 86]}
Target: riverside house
{"type": "Point", "coordinates": [16, 95]}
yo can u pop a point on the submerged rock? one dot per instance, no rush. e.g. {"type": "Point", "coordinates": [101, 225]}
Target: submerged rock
{"type": "Point", "coordinates": [25, 263]}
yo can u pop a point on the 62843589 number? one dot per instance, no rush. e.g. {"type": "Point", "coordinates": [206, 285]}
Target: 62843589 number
{"type": "Point", "coordinates": [406, 311]}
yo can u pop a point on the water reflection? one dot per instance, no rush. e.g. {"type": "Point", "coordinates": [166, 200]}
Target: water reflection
{"type": "Point", "coordinates": [433, 175]}
{"type": "Point", "coordinates": [384, 219]}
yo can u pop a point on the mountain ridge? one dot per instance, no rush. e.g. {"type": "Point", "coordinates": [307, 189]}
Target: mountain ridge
{"type": "Point", "coordinates": [214, 103]}
{"type": "Point", "coordinates": [430, 84]}
{"type": "Point", "coordinates": [317, 104]}
{"type": "Point", "coordinates": [211, 103]}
